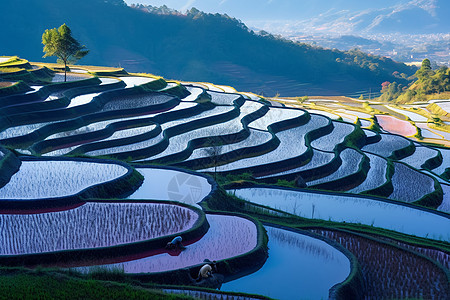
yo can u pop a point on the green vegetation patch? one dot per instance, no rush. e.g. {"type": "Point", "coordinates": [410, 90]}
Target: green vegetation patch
{"type": "Point", "coordinates": [41, 75]}
{"type": "Point", "coordinates": [15, 88]}
{"type": "Point", "coordinates": [40, 284]}
{"type": "Point", "coordinates": [15, 62]}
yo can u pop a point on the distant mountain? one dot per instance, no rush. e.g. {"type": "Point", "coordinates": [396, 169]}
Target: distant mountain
{"type": "Point", "coordinates": [343, 16]}
{"type": "Point", "coordinates": [196, 46]}
{"type": "Point", "coordinates": [405, 17]}
{"type": "Point", "coordinates": [271, 9]}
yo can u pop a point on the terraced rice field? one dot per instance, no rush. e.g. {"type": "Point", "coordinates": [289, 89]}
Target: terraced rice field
{"type": "Point", "coordinates": [275, 115]}
{"type": "Point", "coordinates": [238, 139]}
{"type": "Point", "coordinates": [136, 81]}
{"type": "Point", "coordinates": [369, 133]}
{"type": "Point", "coordinates": [445, 206]}
{"type": "Point", "coordinates": [336, 137]}
{"type": "Point", "coordinates": [255, 138]}
{"type": "Point", "coordinates": [427, 132]}
{"type": "Point", "coordinates": [394, 125]}
{"type": "Point", "coordinates": [420, 156]}
{"type": "Point", "coordinates": [166, 184]}
{"type": "Point", "coordinates": [350, 118]}
{"type": "Point", "coordinates": [51, 179]}
{"type": "Point", "coordinates": [387, 145]}
{"type": "Point", "coordinates": [127, 148]}
{"type": "Point", "coordinates": [83, 99]}
{"type": "Point", "coordinates": [359, 210]}
{"type": "Point", "coordinates": [91, 225]}
{"type": "Point", "coordinates": [444, 134]}
{"type": "Point", "coordinates": [195, 93]}
{"type": "Point", "coordinates": [376, 176]}
{"type": "Point", "coordinates": [17, 131]}
{"type": "Point", "coordinates": [292, 145]}
{"type": "Point", "coordinates": [227, 237]}
{"type": "Point", "coordinates": [222, 98]}
{"type": "Point", "coordinates": [92, 127]}
{"type": "Point", "coordinates": [133, 102]}
{"type": "Point", "coordinates": [324, 113]}
{"type": "Point", "coordinates": [319, 159]}
{"type": "Point", "coordinates": [415, 117]}
{"type": "Point", "coordinates": [443, 104]}
{"type": "Point", "coordinates": [351, 162]}
{"type": "Point", "coordinates": [303, 260]}
{"type": "Point", "coordinates": [394, 278]}
{"type": "Point", "coordinates": [180, 142]}
{"type": "Point", "coordinates": [70, 77]}
{"type": "Point", "coordinates": [405, 184]}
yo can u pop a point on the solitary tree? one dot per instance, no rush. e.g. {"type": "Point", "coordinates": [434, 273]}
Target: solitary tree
{"type": "Point", "coordinates": [213, 150]}
{"type": "Point", "coordinates": [60, 43]}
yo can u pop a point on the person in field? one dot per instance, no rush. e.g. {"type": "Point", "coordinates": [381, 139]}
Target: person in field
{"type": "Point", "coordinates": [206, 271]}
{"type": "Point", "coordinates": [176, 244]}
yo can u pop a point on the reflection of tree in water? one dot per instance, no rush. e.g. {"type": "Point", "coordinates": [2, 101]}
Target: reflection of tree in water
{"type": "Point", "coordinates": [214, 147]}
{"type": "Point", "coordinates": [213, 150]}
{"type": "Point", "coordinates": [307, 244]}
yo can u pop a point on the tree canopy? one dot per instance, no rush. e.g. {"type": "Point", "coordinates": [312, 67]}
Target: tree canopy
{"type": "Point", "coordinates": [429, 82]}
{"type": "Point", "coordinates": [60, 43]}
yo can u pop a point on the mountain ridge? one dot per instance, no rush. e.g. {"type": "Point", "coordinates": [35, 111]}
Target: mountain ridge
{"type": "Point", "coordinates": [400, 16]}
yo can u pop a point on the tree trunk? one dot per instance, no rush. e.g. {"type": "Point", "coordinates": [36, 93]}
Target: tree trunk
{"type": "Point", "coordinates": [65, 71]}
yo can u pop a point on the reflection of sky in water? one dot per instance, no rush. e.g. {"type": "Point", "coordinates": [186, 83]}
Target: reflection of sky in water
{"type": "Point", "coordinates": [82, 99]}
{"type": "Point", "coordinates": [163, 184]}
{"type": "Point", "coordinates": [195, 93]}
{"type": "Point", "coordinates": [445, 206]}
{"type": "Point", "coordinates": [308, 246]}
{"type": "Point", "coordinates": [134, 80]}
{"type": "Point", "coordinates": [352, 210]}
{"type": "Point", "coordinates": [298, 267]}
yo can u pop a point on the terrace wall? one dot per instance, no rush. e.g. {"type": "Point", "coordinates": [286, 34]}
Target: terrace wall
{"type": "Point", "coordinates": [16, 88]}
{"type": "Point", "coordinates": [9, 164]}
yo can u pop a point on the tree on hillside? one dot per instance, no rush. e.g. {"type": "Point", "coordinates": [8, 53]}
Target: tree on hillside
{"type": "Point", "coordinates": [428, 82]}
{"type": "Point", "coordinates": [425, 71]}
{"type": "Point", "coordinates": [390, 91]}
{"type": "Point", "coordinates": [60, 43]}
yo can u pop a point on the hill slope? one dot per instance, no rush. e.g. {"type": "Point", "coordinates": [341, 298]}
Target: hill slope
{"type": "Point", "coordinates": [197, 46]}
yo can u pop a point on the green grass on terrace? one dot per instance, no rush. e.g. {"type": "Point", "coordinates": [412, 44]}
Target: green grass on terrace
{"type": "Point", "coordinates": [14, 61]}
{"type": "Point", "coordinates": [10, 70]}
{"type": "Point", "coordinates": [47, 284]}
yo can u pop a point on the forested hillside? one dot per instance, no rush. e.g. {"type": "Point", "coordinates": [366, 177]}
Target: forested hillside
{"type": "Point", "coordinates": [194, 46]}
